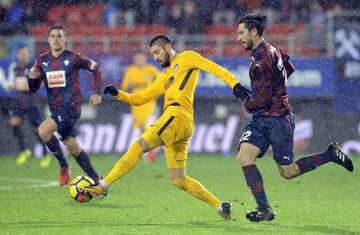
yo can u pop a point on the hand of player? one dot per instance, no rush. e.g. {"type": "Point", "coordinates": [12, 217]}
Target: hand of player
{"type": "Point", "coordinates": [95, 190]}
{"type": "Point", "coordinates": [241, 92]}
{"type": "Point", "coordinates": [95, 100]}
{"type": "Point", "coordinates": [111, 89]}
{"type": "Point", "coordinates": [34, 73]}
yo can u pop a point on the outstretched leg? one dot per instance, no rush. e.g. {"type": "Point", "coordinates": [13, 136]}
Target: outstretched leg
{"type": "Point", "coordinates": [303, 165]}
{"type": "Point", "coordinates": [176, 163]}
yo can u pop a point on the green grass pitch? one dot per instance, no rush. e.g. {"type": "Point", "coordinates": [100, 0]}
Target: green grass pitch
{"type": "Point", "coordinates": [325, 201]}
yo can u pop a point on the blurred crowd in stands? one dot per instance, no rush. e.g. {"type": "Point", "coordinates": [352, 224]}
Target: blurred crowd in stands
{"type": "Point", "coordinates": [182, 16]}
{"type": "Point", "coordinates": [190, 17]}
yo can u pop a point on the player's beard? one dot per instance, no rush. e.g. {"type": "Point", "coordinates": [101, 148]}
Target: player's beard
{"type": "Point", "coordinates": [166, 62]}
{"type": "Point", "coordinates": [249, 45]}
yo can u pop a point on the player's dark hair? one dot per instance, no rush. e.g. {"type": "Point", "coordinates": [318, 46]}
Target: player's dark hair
{"type": "Point", "coordinates": [255, 20]}
{"type": "Point", "coordinates": [21, 46]}
{"type": "Point", "coordinates": [56, 26]}
{"type": "Point", "coordinates": [161, 40]}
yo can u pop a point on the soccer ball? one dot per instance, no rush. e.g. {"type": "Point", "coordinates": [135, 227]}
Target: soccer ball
{"type": "Point", "coordinates": [76, 193]}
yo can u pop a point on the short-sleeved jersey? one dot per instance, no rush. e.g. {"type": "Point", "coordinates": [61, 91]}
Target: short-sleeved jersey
{"type": "Point", "coordinates": [269, 69]}
{"type": "Point", "coordinates": [18, 76]}
{"type": "Point", "coordinates": [61, 78]}
{"type": "Point", "coordinates": [178, 82]}
{"type": "Point", "coordinates": [138, 78]}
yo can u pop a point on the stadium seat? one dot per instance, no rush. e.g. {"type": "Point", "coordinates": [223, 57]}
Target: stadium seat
{"type": "Point", "coordinates": [281, 28]}
{"type": "Point", "coordinates": [93, 14]}
{"type": "Point", "coordinates": [157, 29]}
{"type": "Point", "coordinates": [98, 34]}
{"type": "Point", "coordinates": [205, 51]}
{"type": "Point", "coordinates": [39, 30]}
{"type": "Point", "coordinates": [307, 51]}
{"type": "Point", "coordinates": [139, 29]}
{"type": "Point", "coordinates": [74, 15]}
{"type": "Point", "coordinates": [220, 29]}
{"type": "Point", "coordinates": [119, 30]}
{"type": "Point", "coordinates": [55, 14]}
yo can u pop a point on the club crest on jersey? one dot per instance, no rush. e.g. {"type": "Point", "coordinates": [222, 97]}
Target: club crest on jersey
{"type": "Point", "coordinates": [66, 62]}
{"type": "Point", "coordinates": [175, 68]}
{"type": "Point", "coordinates": [169, 82]}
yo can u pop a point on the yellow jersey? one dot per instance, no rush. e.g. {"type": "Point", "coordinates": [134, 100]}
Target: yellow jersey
{"type": "Point", "coordinates": [178, 82]}
{"type": "Point", "coordinates": [138, 78]}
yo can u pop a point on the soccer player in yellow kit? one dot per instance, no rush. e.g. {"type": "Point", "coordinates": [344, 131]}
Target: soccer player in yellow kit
{"type": "Point", "coordinates": [175, 126]}
{"type": "Point", "coordinates": [138, 77]}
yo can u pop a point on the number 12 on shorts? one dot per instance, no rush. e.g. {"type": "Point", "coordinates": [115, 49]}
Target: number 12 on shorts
{"type": "Point", "coordinates": [245, 136]}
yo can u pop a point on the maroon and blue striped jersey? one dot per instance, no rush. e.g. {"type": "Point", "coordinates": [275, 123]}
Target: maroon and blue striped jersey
{"type": "Point", "coordinates": [18, 80]}
{"type": "Point", "coordinates": [269, 69]}
{"type": "Point", "coordinates": [61, 78]}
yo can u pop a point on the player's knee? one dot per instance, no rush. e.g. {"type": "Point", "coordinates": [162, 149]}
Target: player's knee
{"type": "Point", "coordinates": [179, 182]}
{"type": "Point", "coordinates": [44, 135]}
{"type": "Point", "coordinates": [287, 174]}
{"type": "Point", "coordinates": [243, 161]}
{"type": "Point", "coordinates": [74, 150]}
{"type": "Point", "coordinates": [15, 121]}
{"type": "Point", "coordinates": [72, 147]}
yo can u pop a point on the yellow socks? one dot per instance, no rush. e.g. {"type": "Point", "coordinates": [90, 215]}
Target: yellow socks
{"type": "Point", "coordinates": [125, 164]}
{"type": "Point", "coordinates": [197, 190]}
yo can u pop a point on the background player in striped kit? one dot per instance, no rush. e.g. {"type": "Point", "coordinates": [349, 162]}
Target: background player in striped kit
{"type": "Point", "coordinates": [27, 106]}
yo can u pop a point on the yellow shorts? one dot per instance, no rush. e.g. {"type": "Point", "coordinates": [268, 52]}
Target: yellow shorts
{"type": "Point", "coordinates": [141, 114]}
{"type": "Point", "coordinates": [174, 128]}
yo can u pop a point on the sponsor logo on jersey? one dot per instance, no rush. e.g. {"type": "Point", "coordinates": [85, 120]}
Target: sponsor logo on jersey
{"type": "Point", "coordinates": [56, 79]}
{"type": "Point", "coordinates": [169, 82]}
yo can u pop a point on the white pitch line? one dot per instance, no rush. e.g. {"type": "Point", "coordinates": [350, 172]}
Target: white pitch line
{"type": "Point", "coordinates": [36, 183]}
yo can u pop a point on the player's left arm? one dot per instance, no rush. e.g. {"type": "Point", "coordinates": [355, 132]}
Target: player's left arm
{"type": "Point", "coordinates": [93, 67]}
{"type": "Point", "coordinates": [263, 74]}
{"type": "Point", "coordinates": [288, 65]}
{"type": "Point", "coordinates": [197, 61]}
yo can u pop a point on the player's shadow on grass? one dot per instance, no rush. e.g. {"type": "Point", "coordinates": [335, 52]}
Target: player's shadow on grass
{"type": "Point", "coordinates": [316, 228]}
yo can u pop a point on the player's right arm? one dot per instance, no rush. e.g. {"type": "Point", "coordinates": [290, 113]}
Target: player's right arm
{"type": "Point", "coordinates": [35, 78]}
{"type": "Point", "coordinates": [125, 84]}
{"type": "Point", "coordinates": [153, 91]}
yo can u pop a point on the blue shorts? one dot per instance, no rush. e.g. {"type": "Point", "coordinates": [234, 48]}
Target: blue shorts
{"type": "Point", "coordinates": [32, 114]}
{"type": "Point", "coordinates": [263, 131]}
{"type": "Point", "coordinates": [66, 121]}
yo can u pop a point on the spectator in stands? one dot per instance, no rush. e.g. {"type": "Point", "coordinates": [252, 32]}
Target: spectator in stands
{"type": "Point", "coordinates": [175, 20]}
{"type": "Point", "coordinates": [317, 27]}
{"type": "Point", "coordinates": [271, 10]}
{"type": "Point", "coordinates": [120, 13]}
{"type": "Point", "coordinates": [192, 20]}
